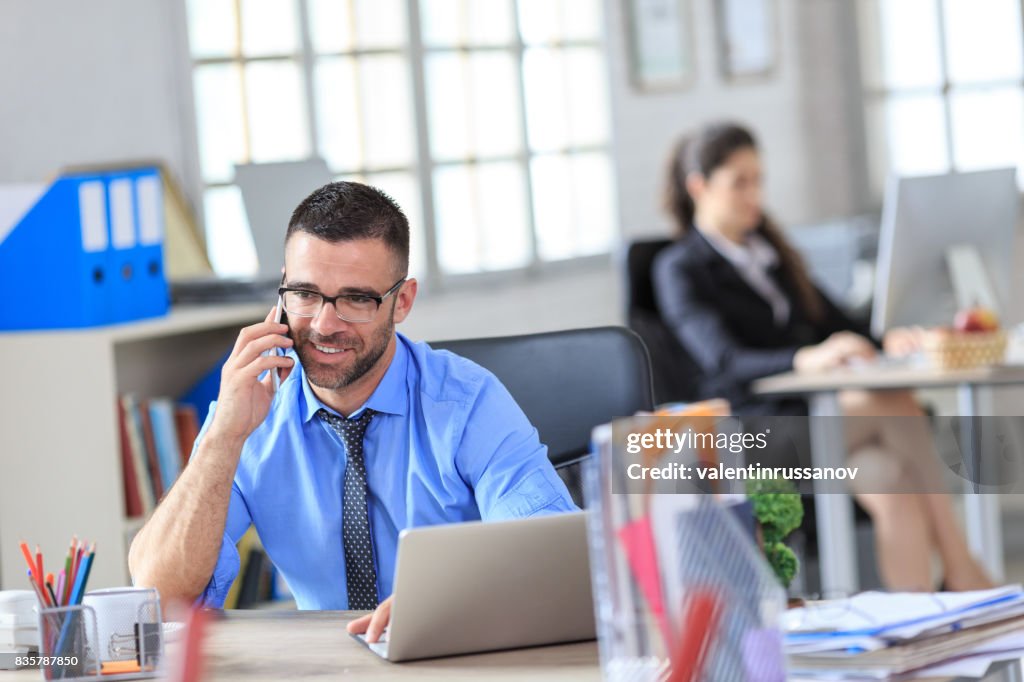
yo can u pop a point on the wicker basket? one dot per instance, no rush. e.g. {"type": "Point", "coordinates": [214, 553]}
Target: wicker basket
{"type": "Point", "coordinates": [964, 350]}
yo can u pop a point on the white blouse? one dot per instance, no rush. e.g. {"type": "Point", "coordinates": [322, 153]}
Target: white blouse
{"type": "Point", "coordinates": [753, 261]}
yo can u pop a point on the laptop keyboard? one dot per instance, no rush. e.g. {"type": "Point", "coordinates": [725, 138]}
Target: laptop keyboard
{"type": "Point", "coordinates": [380, 647]}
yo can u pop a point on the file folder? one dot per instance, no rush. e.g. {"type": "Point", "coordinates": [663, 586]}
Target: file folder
{"type": "Point", "coordinates": [87, 251]}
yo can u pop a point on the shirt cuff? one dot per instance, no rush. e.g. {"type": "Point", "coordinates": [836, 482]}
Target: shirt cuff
{"type": "Point", "coordinates": [224, 574]}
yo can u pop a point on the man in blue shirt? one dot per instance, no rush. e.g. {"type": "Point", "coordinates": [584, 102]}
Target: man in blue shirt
{"type": "Point", "coordinates": [369, 432]}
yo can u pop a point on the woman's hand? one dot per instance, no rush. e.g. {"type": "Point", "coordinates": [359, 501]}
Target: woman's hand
{"type": "Point", "coordinates": [903, 341]}
{"type": "Point", "coordinates": [839, 349]}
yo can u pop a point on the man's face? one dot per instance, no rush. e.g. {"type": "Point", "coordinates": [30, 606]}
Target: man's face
{"type": "Point", "coordinates": [335, 353]}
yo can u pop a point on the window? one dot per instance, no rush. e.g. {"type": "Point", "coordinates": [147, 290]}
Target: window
{"type": "Point", "coordinates": [944, 85]}
{"type": "Point", "coordinates": [486, 119]}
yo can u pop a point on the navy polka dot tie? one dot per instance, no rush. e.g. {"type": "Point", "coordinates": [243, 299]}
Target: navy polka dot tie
{"type": "Point", "coordinates": [361, 576]}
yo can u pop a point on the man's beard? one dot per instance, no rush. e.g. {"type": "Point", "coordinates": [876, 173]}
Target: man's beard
{"type": "Point", "coordinates": [366, 355]}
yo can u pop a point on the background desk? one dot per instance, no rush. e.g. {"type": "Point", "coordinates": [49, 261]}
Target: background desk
{"type": "Point", "coordinates": [834, 514]}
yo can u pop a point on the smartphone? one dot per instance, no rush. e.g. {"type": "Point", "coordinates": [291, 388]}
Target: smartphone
{"type": "Point", "coordinates": [276, 350]}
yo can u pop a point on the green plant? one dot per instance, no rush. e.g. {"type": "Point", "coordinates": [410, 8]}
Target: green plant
{"type": "Point", "coordinates": [779, 511]}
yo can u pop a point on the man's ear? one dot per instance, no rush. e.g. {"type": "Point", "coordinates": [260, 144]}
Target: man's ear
{"type": "Point", "coordinates": [404, 299]}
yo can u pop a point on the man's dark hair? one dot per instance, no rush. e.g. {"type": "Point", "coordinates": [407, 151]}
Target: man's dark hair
{"type": "Point", "coordinates": [346, 211]}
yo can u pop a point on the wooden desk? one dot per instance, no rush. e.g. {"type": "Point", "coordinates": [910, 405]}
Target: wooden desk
{"type": "Point", "coordinates": [834, 514]}
{"type": "Point", "coordinates": [265, 646]}
{"type": "Point", "coordinates": [251, 646]}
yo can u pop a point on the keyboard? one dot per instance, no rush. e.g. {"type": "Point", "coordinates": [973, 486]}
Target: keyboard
{"type": "Point", "coordinates": [380, 647]}
{"type": "Point", "coordinates": [889, 362]}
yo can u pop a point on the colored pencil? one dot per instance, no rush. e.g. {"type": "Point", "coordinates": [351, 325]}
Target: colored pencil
{"type": "Point", "coordinates": [49, 587]}
{"type": "Point", "coordinates": [32, 567]}
{"type": "Point", "coordinates": [76, 564]}
{"type": "Point", "coordinates": [73, 552]}
{"type": "Point", "coordinates": [88, 570]}
{"type": "Point", "coordinates": [39, 564]}
{"type": "Point", "coordinates": [83, 576]}
{"type": "Point", "coordinates": [67, 570]}
{"type": "Point", "coordinates": [35, 588]}
{"type": "Point", "coordinates": [28, 555]}
{"type": "Point", "coordinates": [77, 592]}
{"type": "Point", "coordinates": [60, 587]}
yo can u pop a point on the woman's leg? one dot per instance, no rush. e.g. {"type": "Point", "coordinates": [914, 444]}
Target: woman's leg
{"type": "Point", "coordinates": [902, 540]}
{"type": "Point", "coordinates": [914, 517]}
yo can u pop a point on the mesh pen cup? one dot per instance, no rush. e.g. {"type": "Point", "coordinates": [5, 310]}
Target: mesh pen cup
{"type": "Point", "coordinates": [116, 629]}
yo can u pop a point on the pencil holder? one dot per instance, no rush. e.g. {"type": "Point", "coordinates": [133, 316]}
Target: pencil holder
{"type": "Point", "coordinates": [65, 633]}
{"type": "Point", "coordinates": [113, 635]}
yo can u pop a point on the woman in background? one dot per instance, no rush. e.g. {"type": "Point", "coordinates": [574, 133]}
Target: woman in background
{"type": "Point", "coordinates": [740, 301]}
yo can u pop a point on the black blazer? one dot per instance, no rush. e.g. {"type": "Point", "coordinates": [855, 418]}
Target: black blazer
{"type": "Point", "coordinates": [729, 329]}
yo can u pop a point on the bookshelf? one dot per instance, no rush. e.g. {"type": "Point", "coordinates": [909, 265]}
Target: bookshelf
{"type": "Point", "coordinates": [60, 461]}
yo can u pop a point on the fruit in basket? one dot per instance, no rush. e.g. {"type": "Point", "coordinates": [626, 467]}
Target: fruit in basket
{"type": "Point", "coordinates": [975, 340]}
{"type": "Point", "coordinates": [976, 319]}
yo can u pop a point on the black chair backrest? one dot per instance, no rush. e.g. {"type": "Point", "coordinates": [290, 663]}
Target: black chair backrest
{"type": "Point", "coordinates": [676, 375]}
{"type": "Point", "coordinates": [567, 382]}
{"type": "Point", "coordinates": [639, 261]}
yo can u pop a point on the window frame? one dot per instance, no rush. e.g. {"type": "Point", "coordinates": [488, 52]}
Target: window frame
{"type": "Point", "coordinates": [946, 90]}
{"type": "Point", "coordinates": [422, 164]}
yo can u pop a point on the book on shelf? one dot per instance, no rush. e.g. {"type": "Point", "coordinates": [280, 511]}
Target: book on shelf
{"type": "Point", "coordinates": [132, 494]}
{"type": "Point", "coordinates": [137, 452]}
{"type": "Point", "coordinates": [165, 437]}
{"type": "Point", "coordinates": [149, 445]}
{"type": "Point", "coordinates": [156, 439]}
{"type": "Point", "coordinates": [186, 420]}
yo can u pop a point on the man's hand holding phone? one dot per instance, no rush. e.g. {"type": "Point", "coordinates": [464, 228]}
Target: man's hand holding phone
{"type": "Point", "coordinates": [244, 400]}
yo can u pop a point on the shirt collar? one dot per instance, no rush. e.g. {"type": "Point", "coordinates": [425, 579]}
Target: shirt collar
{"type": "Point", "coordinates": [757, 252]}
{"type": "Point", "coordinates": [390, 396]}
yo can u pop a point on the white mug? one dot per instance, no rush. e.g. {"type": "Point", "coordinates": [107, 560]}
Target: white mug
{"type": "Point", "coordinates": [117, 610]}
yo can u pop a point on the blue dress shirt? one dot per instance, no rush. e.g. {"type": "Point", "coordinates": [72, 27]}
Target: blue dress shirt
{"type": "Point", "coordinates": [448, 444]}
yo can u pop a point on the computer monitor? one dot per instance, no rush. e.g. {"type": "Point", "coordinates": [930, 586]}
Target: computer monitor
{"type": "Point", "coordinates": [947, 242]}
{"type": "Point", "coordinates": [271, 191]}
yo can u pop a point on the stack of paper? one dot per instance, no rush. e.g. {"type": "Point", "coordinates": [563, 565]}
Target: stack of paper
{"type": "Point", "coordinates": [875, 635]}
{"type": "Point", "coordinates": [19, 626]}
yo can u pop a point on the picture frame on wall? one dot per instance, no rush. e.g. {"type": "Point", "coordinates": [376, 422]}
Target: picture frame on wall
{"type": "Point", "coordinates": [660, 37]}
{"type": "Point", "coordinates": [748, 38]}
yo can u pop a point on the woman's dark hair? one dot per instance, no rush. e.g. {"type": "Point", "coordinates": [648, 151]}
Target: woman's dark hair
{"type": "Point", "coordinates": [704, 152]}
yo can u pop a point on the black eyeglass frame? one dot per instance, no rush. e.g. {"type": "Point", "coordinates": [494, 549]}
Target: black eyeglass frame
{"type": "Point", "coordinates": [324, 300]}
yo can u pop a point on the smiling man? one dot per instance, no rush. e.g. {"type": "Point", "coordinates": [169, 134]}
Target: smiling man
{"type": "Point", "coordinates": [369, 433]}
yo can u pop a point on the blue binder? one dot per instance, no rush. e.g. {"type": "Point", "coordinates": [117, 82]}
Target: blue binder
{"type": "Point", "coordinates": [89, 252]}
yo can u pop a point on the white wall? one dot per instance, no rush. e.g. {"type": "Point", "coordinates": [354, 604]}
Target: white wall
{"type": "Point", "coordinates": [800, 114]}
{"type": "Point", "coordinates": [107, 80]}
{"type": "Point", "coordinates": [87, 82]}
{"type": "Point", "coordinates": [584, 297]}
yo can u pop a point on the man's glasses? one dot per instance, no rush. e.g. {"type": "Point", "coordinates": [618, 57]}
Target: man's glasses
{"type": "Point", "coordinates": [349, 307]}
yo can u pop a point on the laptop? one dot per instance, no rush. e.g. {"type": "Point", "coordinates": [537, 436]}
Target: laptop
{"type": "Point", "coordinates": [472, 587]}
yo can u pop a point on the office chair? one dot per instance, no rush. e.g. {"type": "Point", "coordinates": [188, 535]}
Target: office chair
{"type": "Point", "coordinates": [674, 372]}
{"type": "Point", "coordinates": [567, 382]}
